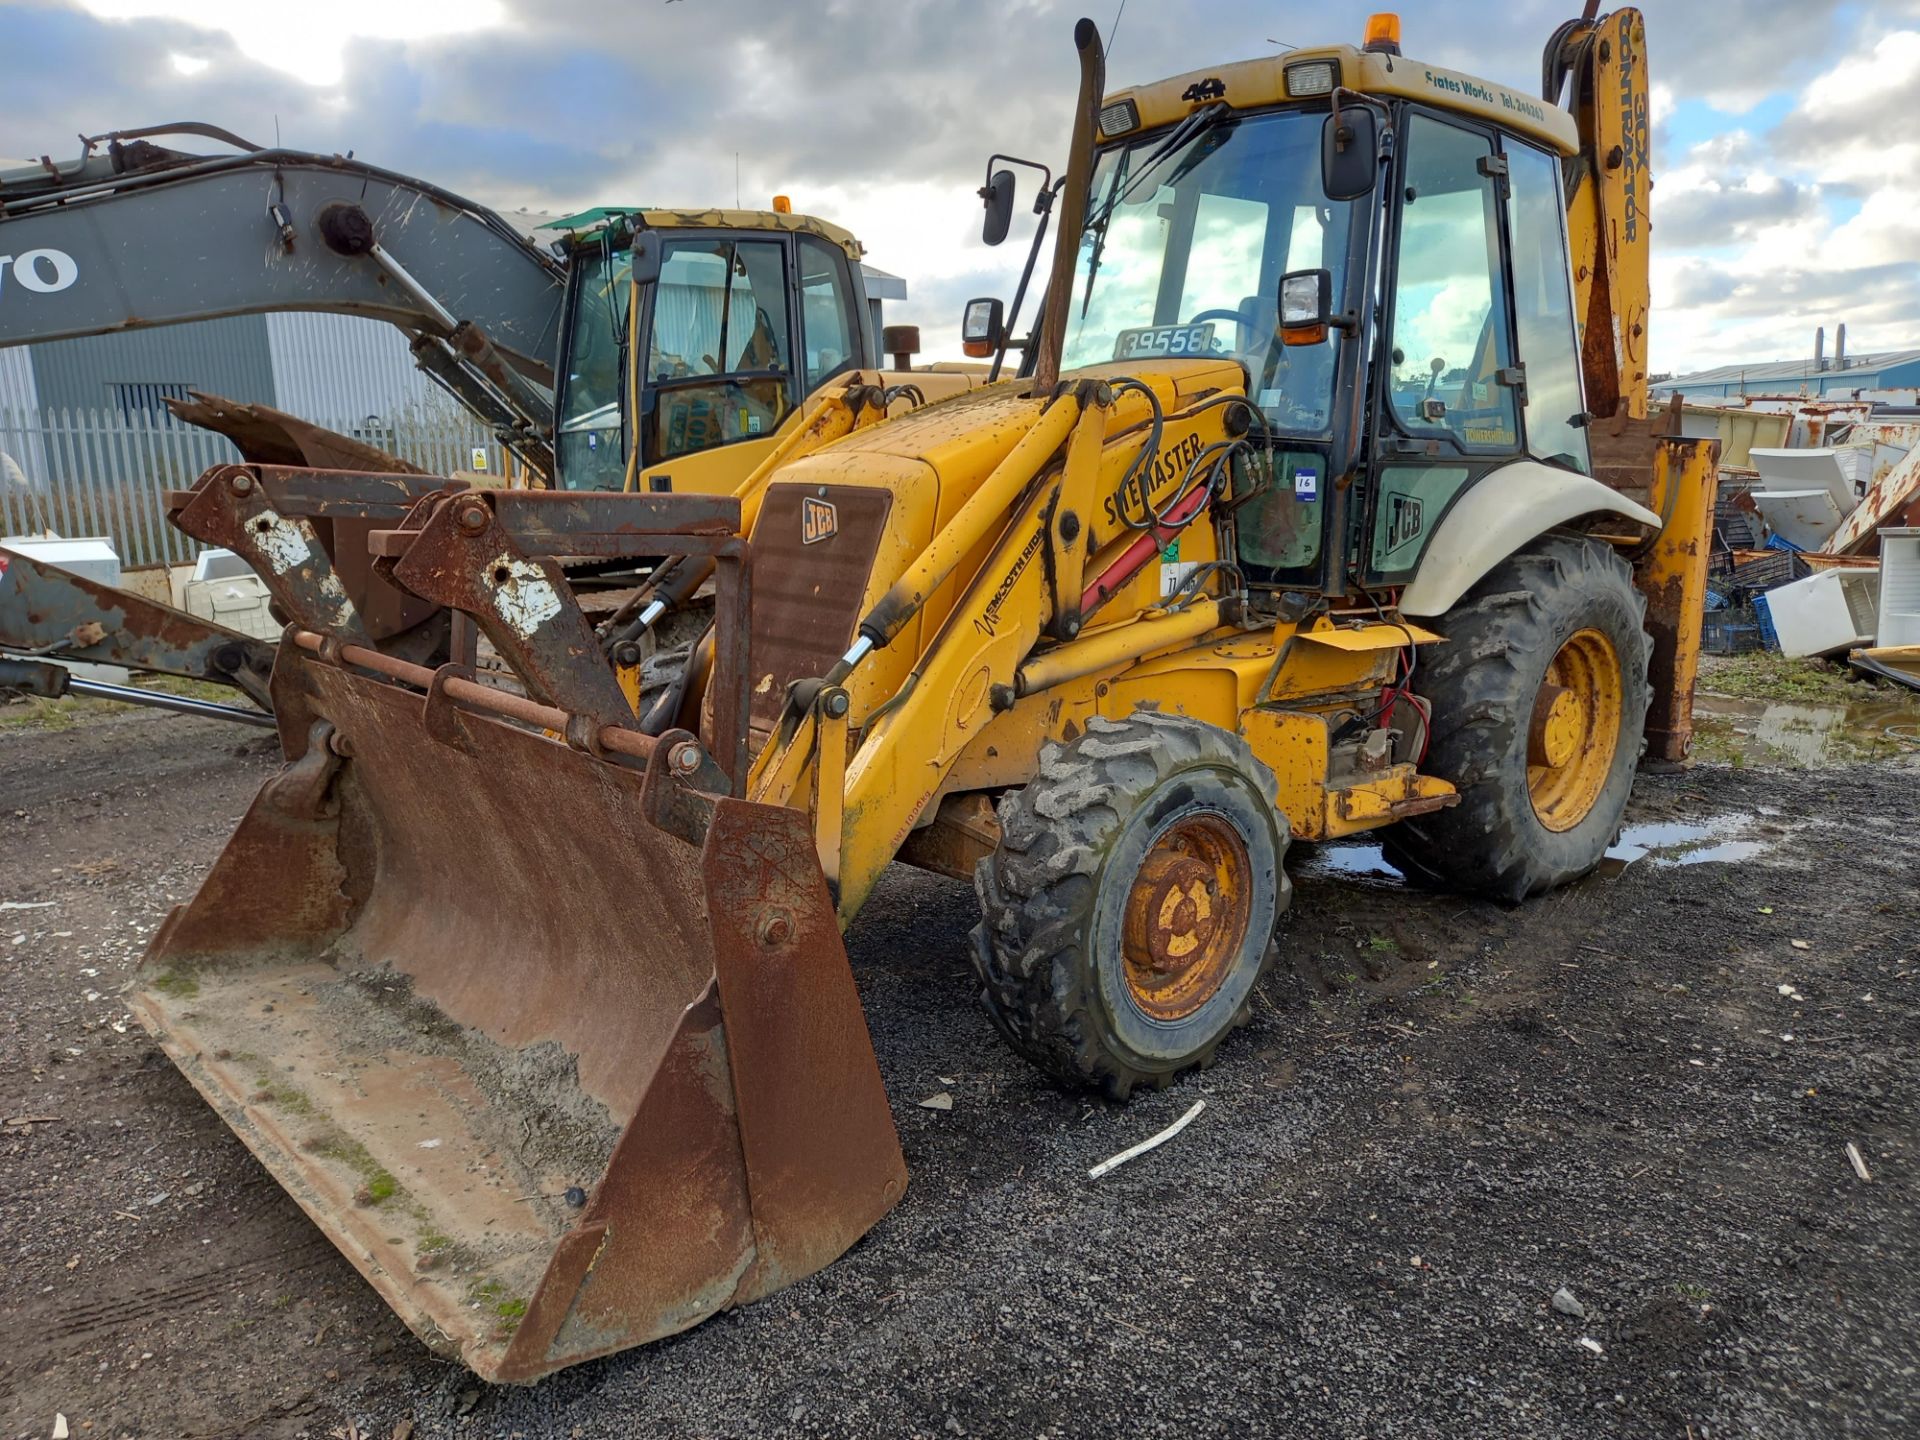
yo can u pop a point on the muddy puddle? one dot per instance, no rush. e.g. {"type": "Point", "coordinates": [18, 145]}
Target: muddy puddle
{"type": "Point", "coordinates": [1722, 839]}
{"type": "Point", "coordinates": [1804, 733]}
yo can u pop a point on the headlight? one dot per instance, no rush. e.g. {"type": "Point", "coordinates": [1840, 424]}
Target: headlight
{"type": "Point", "coordinates": [1303, 298]}
{"type": "Point", "coordinates": [1312, 77]}
{"type": "Point", "coordinates": [1118, 118]}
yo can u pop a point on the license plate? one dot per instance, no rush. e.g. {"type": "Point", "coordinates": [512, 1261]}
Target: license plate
{"type": "Point", "coordinates": [1164, 341]}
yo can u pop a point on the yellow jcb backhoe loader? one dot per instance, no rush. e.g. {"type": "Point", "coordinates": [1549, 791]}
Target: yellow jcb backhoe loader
{"type": "Point", "coordinates": [1292, 531]}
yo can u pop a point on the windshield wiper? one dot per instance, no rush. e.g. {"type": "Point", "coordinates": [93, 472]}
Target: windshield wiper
{"type": "Point", "coordinates": [1196, 124]}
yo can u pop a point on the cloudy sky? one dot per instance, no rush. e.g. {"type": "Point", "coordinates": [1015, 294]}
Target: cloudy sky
{"type": "Point", "coordinates": [1788, 167]}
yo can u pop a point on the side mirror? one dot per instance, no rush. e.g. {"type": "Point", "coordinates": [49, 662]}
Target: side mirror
{"type": "Point", "coordinates": [997, 194]}
{"type": "Point", "coordinates": [1306, 306]}
{"type": "Point", "coordinates": [1349, 152]}
{"type": "Point", "coordinates": [646, 257]}
{"type": "Point", "coordinates": [983, 328]}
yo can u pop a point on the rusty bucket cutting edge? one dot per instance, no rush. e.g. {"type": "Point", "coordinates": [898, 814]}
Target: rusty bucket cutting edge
{"type": "Point", "coordinates": [556, 1081]}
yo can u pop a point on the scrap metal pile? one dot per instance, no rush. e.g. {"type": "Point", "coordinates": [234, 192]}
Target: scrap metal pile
{"type": "Point", "coordinates": [1816, 531]}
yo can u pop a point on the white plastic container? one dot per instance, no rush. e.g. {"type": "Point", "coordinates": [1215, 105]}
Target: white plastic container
{"type": "Point", "coordinates": [1826, 612]}
{"type": "Point", "coordinates": [225, 590]}
{"type": "Point", "coordinates": [1793, 471]}
{"type": "Point", "coordinates": [95, 558]}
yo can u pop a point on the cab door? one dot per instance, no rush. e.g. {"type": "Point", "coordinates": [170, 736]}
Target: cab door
{"type": "Point", "coordinates": [742, 329]}
{"type": "Point", "coordinates": [718, 348]}
{"type": "Point", "coordinates": [1478, 364]}
{"type": "Point", "coordinates": [1446, 387]}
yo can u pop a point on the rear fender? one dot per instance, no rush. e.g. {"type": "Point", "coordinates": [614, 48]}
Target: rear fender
{"type": "Point", "coordinates": [1497, 516]}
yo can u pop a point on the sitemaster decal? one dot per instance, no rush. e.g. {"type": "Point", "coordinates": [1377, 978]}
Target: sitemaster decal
{"type": "Point", "coordinates": [1168, 465]}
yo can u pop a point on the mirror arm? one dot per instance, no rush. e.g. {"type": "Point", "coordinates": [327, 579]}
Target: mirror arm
{"type": "Point", "coordinates": [1043, 207]}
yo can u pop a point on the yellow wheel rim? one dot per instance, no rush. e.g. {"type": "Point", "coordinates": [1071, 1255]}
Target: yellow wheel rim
{"type": "Point", "coordinates": [1187, 916]}
{"type": "Point", "coordinates": [1575, 730]}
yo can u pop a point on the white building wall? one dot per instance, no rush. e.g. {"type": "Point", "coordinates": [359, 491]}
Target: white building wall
{"type": "Point", "coordinates": [336, 369]}
{"type": "Point", "coordinates": [23, 456]}
{"type": "Point", "coordinates": [16, 379]}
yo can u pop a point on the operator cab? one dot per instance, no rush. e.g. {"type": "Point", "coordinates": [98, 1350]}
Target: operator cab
{"type": "Point", "coordinates": [1413, 223]}
{"type": "Point", "coordinates": [728, 355]}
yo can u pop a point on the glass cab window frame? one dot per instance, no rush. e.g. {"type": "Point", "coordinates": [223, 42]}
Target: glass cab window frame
{"type": "Point", "coordinates": [840, 272]}
{"type": "Point", "coordinates": [1393, 421]}
{"type": "Point", "coordinates": [789, 382]}
{"type": "Point", "coordinates": [743, 392]}
{"type": "Point", "coordinates": [1417, 473]}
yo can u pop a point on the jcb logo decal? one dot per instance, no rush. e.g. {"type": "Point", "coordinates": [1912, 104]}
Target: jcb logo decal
{"type": "Point", "coordinates": [818, 521]}
{"type": "Point", "coordinates": [1403, 520]}
{"type": "Point", "coordinates": [42, 271]}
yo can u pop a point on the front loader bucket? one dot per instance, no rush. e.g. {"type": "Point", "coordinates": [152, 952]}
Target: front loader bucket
{"type": "Point", "coordinates": [563, 1055]}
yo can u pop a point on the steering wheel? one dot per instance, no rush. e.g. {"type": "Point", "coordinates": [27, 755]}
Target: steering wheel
{"type": "Point", "coordinates": [1233, 315]}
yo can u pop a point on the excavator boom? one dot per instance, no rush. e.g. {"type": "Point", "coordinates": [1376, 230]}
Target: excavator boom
{"type": "Point", "coordinates": [140, 235]}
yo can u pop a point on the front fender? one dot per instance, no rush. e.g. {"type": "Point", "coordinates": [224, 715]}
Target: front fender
{"type": "Point", "coordinates": [1497, 516]}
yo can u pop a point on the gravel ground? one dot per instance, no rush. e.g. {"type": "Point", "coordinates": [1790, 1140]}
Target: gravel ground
{"type": "Point", "coordinates": [1442, 1113]}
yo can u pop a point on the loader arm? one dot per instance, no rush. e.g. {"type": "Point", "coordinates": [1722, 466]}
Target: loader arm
{"type": "Point", "coordinates": [1597, 67]}
{"type": "Point", "coordinates": [1049, 514]}
{"type": "Point", "coordinates": [139, 235]}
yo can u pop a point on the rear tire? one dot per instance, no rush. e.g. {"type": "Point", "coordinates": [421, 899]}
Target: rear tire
{"type": "Point", "coordinates": [1556, 620]}
{"type": "Point", "coordinates": [1129, 908]}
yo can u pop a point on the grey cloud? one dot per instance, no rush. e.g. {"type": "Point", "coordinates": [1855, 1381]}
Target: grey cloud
{"type": "Point", "coordinates": [1724, 212]}
{"type": "Point", "coordinates": [1870, 293]}
{"type": "Point", "coordinates": [1698, 284]}
{"type": "Point", "coordinates": [617, 100]}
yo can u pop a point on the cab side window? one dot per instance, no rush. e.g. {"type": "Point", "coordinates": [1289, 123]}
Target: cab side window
{"type": "Point", "coordinates": [1450, 333]}
{"type": "Point", "coordinates": [1543, 309]}
{"type": "Point", "coordinates": [826, 312]}
{"type": "Point", "coordinates": [721, 306]}
{"type": "Point", "coordinates": [719, 355]}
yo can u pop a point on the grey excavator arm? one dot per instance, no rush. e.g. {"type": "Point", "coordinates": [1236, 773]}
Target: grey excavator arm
{"type": "Point", "coordinates": [133, 234]}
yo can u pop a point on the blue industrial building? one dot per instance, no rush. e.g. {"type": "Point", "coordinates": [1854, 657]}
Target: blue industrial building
{"type": "Point", "coordinates": [1844, 377]}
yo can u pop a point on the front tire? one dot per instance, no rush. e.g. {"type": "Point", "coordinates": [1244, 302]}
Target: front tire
{"type": "Point", "coordinates": [1129, 908]}
{"type": "Point", "coordinates": [1539, 710]}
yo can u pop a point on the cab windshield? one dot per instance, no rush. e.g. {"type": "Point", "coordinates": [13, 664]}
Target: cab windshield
{"type": "Point", "coordinates": [1183, 253]}
{"type": "Point", "coordinates": [592, 455]}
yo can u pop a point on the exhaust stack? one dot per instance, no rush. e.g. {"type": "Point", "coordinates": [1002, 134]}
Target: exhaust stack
{"type": "Point", "coordinates": [1073, 206]}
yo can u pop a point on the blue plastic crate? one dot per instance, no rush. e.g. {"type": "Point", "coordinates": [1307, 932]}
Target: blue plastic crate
{"type": "Point", "coordinates": [1763, 619]}
{"type": "Point", "coordinates": [1775, 542]}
